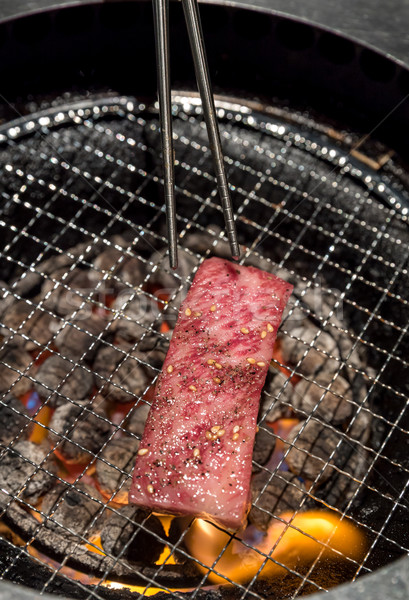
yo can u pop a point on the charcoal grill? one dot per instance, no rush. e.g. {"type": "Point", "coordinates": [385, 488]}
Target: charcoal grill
{"type": "Point", "coordinates": [320, 203]}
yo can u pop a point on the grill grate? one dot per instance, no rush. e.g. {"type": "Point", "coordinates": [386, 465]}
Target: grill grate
{"type": "Point", "coordinates": [76, 178]}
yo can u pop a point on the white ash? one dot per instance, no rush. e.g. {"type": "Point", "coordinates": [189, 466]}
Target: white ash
{"type": "Point", "coordinates": [25, 471]}
{"type": "Point", "coordinates": [115, 475]}
{"type": "Point", "coordinates": [119, 384]}
{"type": "Point", "coordinates": [53, 371]}
{"type": "Point", "coordinates": [332, 406]}
{"type": "Point", "coordinates": [14, 361]}
{"type": "Point", "coordinates": [79, 432]}
{"type": "Point", "coordinates": [308, 457]}
{"type": "Point", "coordinates": [75, 511]}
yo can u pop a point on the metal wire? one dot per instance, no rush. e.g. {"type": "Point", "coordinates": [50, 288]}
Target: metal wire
{"type": "Point", "coordinates": [107, 123]}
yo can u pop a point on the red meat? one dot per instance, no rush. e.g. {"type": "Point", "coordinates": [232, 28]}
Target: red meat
{"type": "Point", "coordinates": [196, 450]}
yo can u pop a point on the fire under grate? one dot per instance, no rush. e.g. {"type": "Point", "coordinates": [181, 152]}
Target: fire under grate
{"type": "Point", "coordinates": [88, 306]}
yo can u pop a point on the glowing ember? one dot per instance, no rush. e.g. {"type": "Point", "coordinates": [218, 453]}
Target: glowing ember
{"type": "Point", "coordinates": [290, 541]}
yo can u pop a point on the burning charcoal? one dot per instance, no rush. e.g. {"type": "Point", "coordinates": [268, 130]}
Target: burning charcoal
{"type": "Point", "coordinates": [276, 398]}
{"type": "Point", "coordinates": [24, 471]}
{"type": "Point", "coordinates": [293, 349]}
{"type": "Point", "coordinates": [38, 326]}
{"type": "Point", "coordinates": [75, 511]}
{"type": "Point", "coordinates": [119, 455]}
{"type": "Point", "coordinates": [77, 385]}
{"type": "Point", "coordinates": [263, 446]}
{"type": "Point", "coordinates": [15, 419]}
{"type": "Point", "coordinates": [135, 422]}
{"type": "Point", "coordinates": [311, 451]}
{"type": "Point", "coordinates": [137, 314]}
{"type": "Point", "coordinates": [284, 492]}
{"type": "Point", "coordinates": [123, 537]}
{"type": "Point", "coordinates": [332, 406]}
{"type": "Point", "coordinates": [86, 431]}
{"type": "Point", "coordinates": [128, 380]}
{"type": "Point", "coordinates": [12, 360]}
{"type": "Point", "coordinates": [76, 343]}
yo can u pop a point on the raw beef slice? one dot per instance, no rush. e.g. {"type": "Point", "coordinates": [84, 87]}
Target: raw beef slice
{"type": "Point", "coordinates": [195, 454]}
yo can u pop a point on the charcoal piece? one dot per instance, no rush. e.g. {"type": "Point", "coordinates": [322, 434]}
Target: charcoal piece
{"type": "Point", "coordinates": [132, 271]}
{"type": "Point", "coordinates": [6, 300]}
{"type": "Point", "coordinates": [39, 326]}
{"type": "Point", "coordinates": [202, 241]}
{"type": "Point", "coordinates": [169, 280]}
{"type": "Point", "coordinates": [77, 385]}
{"type": "Point", "coordinates": [106, 261]}
{"type": "Point", "coordinates": [74, 511]}
{"type": "Point", "coordinates": [114, 467]}
{"type": "Point", "coordinates": [311, 451]}
{"type": "Point", "coordinates": [126, 381]}
{"type": "Point", "coordinates": [137, 315]}
{"type": "Point", "coordinates": [263, 446]}
{"type": "Point", "coordinates": [135, 422]}
{"type": "Point", "coordinates": [32, 279]}
{"type": "Point", "coordinates": [80, 341]}
{"type": "Point", "coordinates": [14, 361]}
{"type": "Point", "coordinates": [67, 292]}
{"type": "Point", "coordinates": [283, 492]}
{"type": "Point", "coordinates": [154, 347]}
{"type": "Point", "coordinates": [360, 426]}
{"type": "Point", "coordinates": [25, 471]}
{"type": "Point", "coordinates": [343, 486]}
{"type": "Point", "coordinates": [316, 357]}
{"type": "Point", "coordinates": [86, 431]}
{"type": "Point", "coordinates": [121, 535]}
{"type": "Point", "coordinates": [125, 270]}
{"type": "Point", "coordinates": [332, 406]}
{"type": "Point", "coordinates": [351, 357]}
{"type": "Point", "coordinates": [276, 397]}
{"type": "Point", "coordinates": [14, 418]}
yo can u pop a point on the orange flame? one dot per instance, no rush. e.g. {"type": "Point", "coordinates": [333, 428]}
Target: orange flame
{"type": "Point", "coordinates": [291, 541]}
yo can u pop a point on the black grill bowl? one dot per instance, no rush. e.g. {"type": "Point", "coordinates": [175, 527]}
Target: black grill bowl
{"type": "Point", "coordinates": [332, 105]}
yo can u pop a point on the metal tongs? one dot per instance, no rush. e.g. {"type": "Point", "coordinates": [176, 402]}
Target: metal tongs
{"type": "Point", "coordinates": [192, 17]}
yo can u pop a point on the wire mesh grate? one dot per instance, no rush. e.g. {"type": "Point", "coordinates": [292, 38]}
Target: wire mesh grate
{"type": "Point", "coordinates": [88, 305]}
